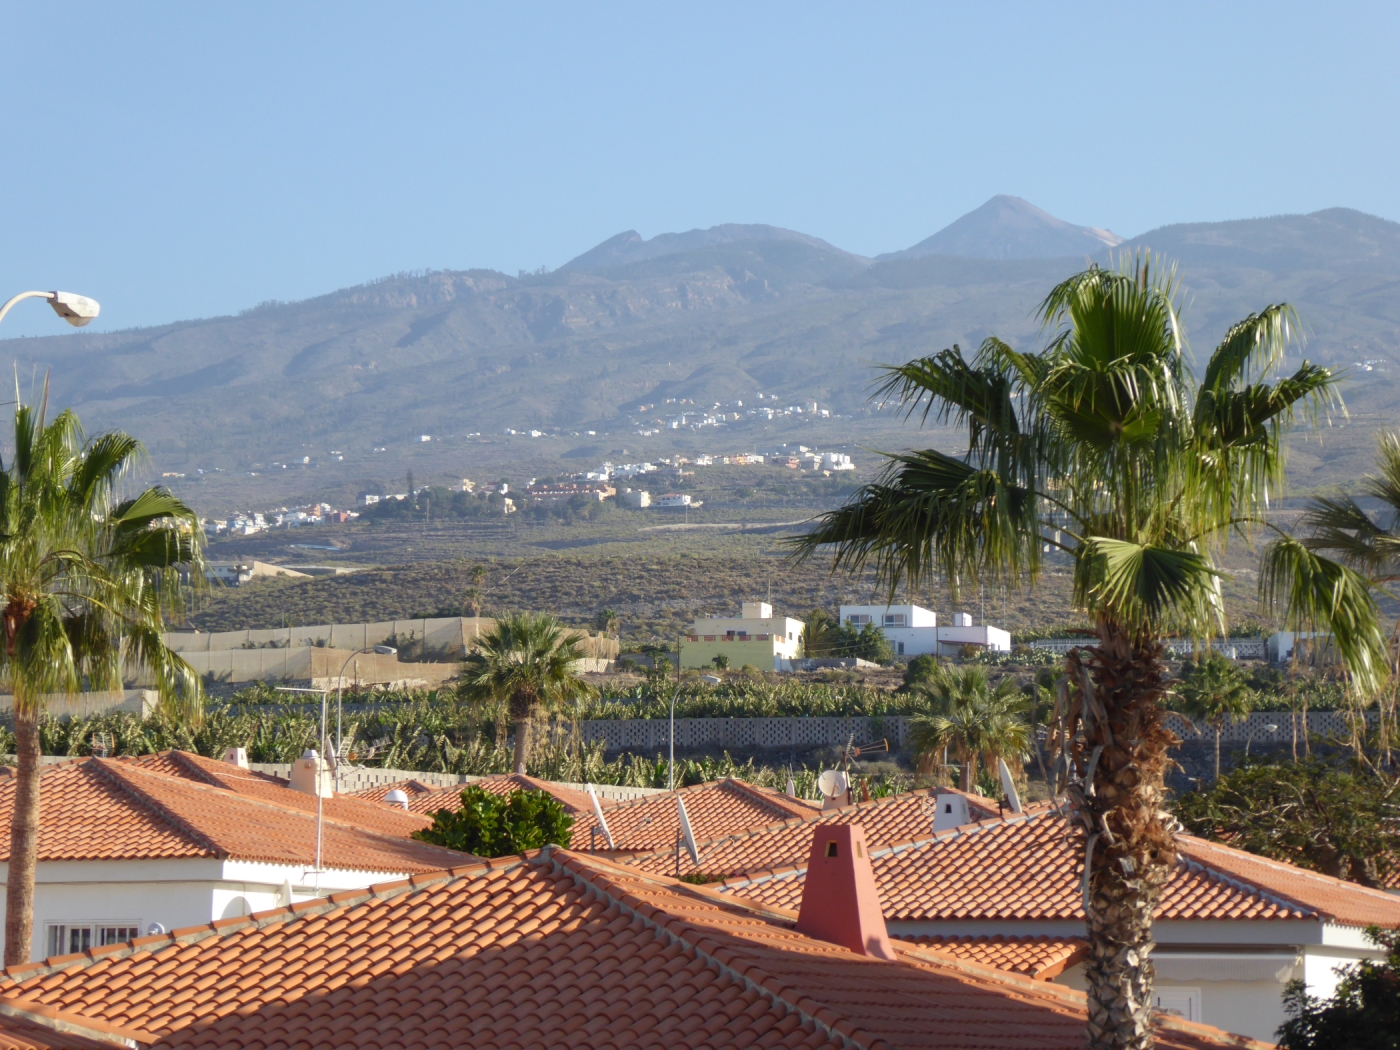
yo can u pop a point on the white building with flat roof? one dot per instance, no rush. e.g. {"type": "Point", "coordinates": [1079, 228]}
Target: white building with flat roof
{"type": "Point", "coordinates": [914, 630]}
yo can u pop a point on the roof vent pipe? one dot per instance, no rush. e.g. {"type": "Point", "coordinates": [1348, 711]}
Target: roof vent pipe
{"type": "Point", "coordinates": [840, 903]}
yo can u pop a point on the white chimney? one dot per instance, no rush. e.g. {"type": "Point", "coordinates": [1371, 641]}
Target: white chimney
{"type": "Point", "coordinates": [952, 811]}
{"type": "Point", "coordinates": [236, 756]}
{"type": "Point", "coordinates": [305, 776]}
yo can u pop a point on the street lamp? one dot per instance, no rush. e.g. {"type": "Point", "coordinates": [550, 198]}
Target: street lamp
{"type": "Point", "coordinates": [382, 650]}
{"type": "Point", "coordinates": [77, 310]}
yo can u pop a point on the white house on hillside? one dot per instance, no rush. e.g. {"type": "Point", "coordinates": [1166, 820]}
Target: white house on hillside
{"type": "Point", "coordinates": [914, 630]}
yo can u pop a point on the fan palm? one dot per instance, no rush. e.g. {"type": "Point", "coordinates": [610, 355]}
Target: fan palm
{"type": "Point", "coordinates": [527, 662]}
{"type": "Point", "coordinates": [1213, 691]}
{"type": "Point", "coordinates": [1370, 545]}
{"type": "Point", "coordinates": [1107, 448]}
{"type": "Point", "coordinates": [972, 719]}
{"type": "Point", "coordinates": [88, 578]}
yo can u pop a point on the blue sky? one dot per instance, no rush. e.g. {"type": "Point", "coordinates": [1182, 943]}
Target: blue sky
{"type": "Point", "coordinates": [186, 160]}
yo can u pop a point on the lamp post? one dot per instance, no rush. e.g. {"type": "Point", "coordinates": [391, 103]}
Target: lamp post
{"type": "Point", "coordinates": [675, 693]}
{"type": "Point", "coordinates": [77, 310]}
{"type": "Point", "coordinates": [382, 650]}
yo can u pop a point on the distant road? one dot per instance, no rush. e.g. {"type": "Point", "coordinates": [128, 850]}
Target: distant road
{"type": "Point", "coordinates": [733, 526]}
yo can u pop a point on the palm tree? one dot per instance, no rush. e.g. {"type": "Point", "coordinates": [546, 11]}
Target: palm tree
{"type": "Point", "coordinates": [1213, 691]}
{"type": "Point", "coordinates": [972, 720]}
{"type": "Point", "coordinates": [1371, 546]}
{"type": "Point", "coordinates": [88, 577]}
{"type": "Point", "coordinates": [528, 662]}
{"type": "Point", "coordinates": [1105, 446]}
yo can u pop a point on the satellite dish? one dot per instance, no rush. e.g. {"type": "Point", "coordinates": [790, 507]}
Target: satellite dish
{"type": "Point", "coordinates": [688, 836]}
{"type": "Point", "coordinates": [791, 788]}
{"type": "Point", "coordinates": [832, 783]}
{"type": "Point", "coordinates": [1008, 785]}
{"type": "Point", "coordinates": [598, 815]}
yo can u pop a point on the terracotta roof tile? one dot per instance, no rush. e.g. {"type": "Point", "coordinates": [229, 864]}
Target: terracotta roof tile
{"type": "Point", "coordinates": [132, 809]}
{"type": "Point", "coordinates": [1042, 958]}
{"type": "Point", "coordinates": [1029, 868]}
{"type": "Point", "coordinates": [23, 1033]}
{"type": "Point", "coordinates": [552, 949]}
{"type": "Point", "coordinates": [897, 818]}
{"type": "Point", "coordinates": [719, 807]}
{"type": "Point", "coordinates": [715, 808]}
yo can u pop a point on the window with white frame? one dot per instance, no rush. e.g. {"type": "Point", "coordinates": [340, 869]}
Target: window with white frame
{"type": "Point", "coordinates": [858, 618]}
{"type": "Point", "coordinates": [66, 938]}
{"type": "Point", "coordinates": [894, 619]}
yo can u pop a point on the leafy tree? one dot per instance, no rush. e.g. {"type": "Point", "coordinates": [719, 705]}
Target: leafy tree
{"type": "Point", "coordinates": [720, 661]}
{"type": "Point", "coordinates": [1213, 690]}
{"type": "Point", "coordinates": [490, 825]}
{"type": "Point", "coordinates": [1108, 449]}
{"type": "Point", "coordinates": [528, 662]}
{"type": "Point", "coordinates": [1363, 1013]}
{"type": "Point", "coordinates": [921, 669]}
{"type": "Point", "coordinates": [1336, 821]}
{"type": "Point", "coordinates": [973, 720]}
{"type": "Point", "coordinates": [88, 578]}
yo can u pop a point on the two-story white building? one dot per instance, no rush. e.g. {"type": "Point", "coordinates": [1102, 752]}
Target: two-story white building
{"type": "Point", "coordinates": [915, 631]}
{"type": "Point", "coordinates": [755, 637]}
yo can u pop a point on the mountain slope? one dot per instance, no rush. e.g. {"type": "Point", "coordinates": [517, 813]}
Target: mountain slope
{"type": "Point", "coordinates": [477, 351]}
{"type": "Point", "coordinates": [1010, 228]}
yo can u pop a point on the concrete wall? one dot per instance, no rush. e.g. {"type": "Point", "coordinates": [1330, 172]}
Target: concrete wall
{"type": "Point", "coordinates": [451, 636]}
{"type": "Point", "coordinates": [82, 705]}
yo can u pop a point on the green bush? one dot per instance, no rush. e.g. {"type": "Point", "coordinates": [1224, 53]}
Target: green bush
{"type": "Point", "coordinates": [1363, 1013]}
{"type": "Point", "coordinates": [490, 825]}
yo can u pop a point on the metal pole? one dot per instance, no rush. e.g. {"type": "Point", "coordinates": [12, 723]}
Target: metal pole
{"type": "Point", "coordinates": [23, 295]}
{"type": "Point", "coordinates": [675, 693]}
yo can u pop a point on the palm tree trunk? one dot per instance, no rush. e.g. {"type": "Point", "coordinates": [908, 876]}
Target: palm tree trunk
{"type": "Point", "coordinates": [24, 839]}
{"type": "Point", "coordinates": [522, 744]}
{"type": "Point", "coordinates": [1127, 838]}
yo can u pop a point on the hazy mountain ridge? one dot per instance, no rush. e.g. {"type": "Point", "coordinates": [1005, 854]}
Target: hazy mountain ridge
{"type": "Point", "coordinates": [452, 352]}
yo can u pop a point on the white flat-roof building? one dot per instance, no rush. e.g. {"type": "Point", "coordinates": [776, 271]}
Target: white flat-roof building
{"type": "Point", "coordinates": [914, 630]}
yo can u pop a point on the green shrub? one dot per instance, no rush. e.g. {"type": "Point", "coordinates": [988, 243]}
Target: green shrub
{"type": "Point", "coordinates": [1363, 1013]}
{"type": "Point", "coordinates": [490, 825]}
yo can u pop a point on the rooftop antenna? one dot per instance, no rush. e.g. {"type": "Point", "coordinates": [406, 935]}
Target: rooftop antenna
{"type": "Point", "coordinates": [1008, 785]}
{"type": "Point", "coordinates": [598, 815]}
{"type": "Point", "coordinates": [687, 836]}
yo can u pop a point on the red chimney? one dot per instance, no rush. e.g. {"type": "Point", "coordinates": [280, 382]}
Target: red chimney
{"type": "Point", "coordinates": [839, 900]}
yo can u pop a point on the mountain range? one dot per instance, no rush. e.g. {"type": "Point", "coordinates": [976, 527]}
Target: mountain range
{"type": "Point", "coordinates": [708, 315]}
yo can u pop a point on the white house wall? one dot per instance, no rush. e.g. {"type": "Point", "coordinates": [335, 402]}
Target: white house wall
{"type": "Point", "coordinates": [174, 892]}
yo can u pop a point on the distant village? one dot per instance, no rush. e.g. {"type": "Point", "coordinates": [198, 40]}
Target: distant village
{"type": "Point", "coordinates": [597, 484]}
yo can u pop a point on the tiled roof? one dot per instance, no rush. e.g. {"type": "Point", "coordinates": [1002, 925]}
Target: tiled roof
{"type": "Point", "coordinates": [897, 818]}
{"type": "Point", "coordinates": [1029, 868]}
{"type": "Point", "coordinates": [550, 949]}
{"type": "Point", "coordinates": [719, 807]}
{"type": "Point", "coordinates": [348, 809]}
{"type": "Point", "coordinates": [116, 809]}
{"type": "Point", "coordinates": [1042, 958]}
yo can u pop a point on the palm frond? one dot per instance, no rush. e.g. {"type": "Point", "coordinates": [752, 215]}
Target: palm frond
{"type": "Point", "coordinates": [1141, 584]}
{"type": "Point", "coordinates": [1251, 347]}
{"type": "Point", "coordinates": [1315, 593]}
{"type": "Point", "coordinates": [930, 514]}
